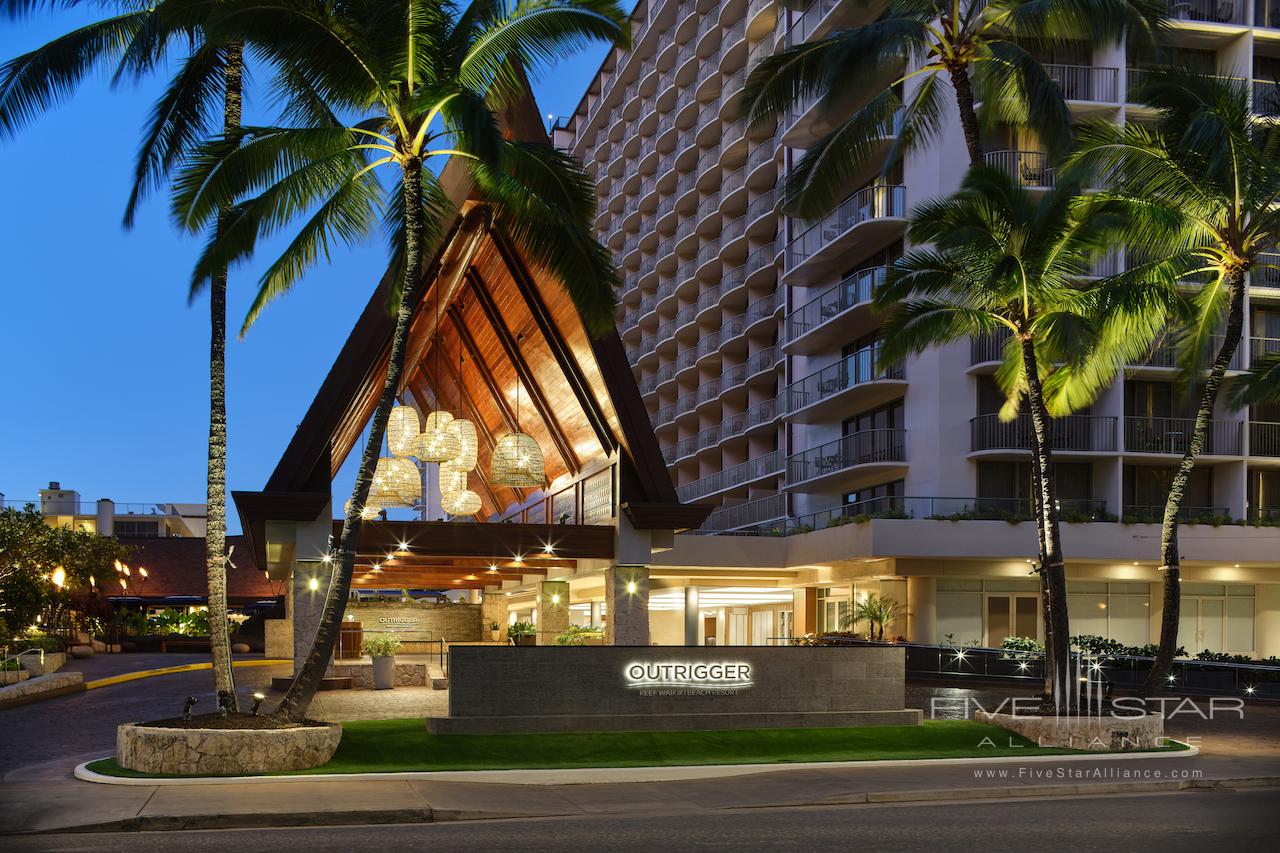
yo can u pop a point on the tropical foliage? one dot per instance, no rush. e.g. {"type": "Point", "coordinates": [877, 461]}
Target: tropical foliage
{"type": "Point", "coordinates": [876, 611]}
{"type": "Point", "coordinates": [1201, 192]}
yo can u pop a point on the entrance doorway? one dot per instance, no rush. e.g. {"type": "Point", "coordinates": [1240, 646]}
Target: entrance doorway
{"type": "Point", "coordinates": [1202, 624]}
{"type": "Point", "coordinates": [1011, 616]}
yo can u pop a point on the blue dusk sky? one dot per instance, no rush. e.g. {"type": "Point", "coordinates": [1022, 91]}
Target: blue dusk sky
{"type": "Point", "coordinates": [105, 384]}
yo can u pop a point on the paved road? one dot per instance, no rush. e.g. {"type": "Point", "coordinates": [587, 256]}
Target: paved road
{"type": "Point", "coordinates": [45, 739]}
{"type": "Point", "coordinates": [1196, 822]}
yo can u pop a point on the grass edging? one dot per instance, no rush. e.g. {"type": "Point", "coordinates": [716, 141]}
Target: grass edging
{"type": "Point", "coordinates": [383, 748]}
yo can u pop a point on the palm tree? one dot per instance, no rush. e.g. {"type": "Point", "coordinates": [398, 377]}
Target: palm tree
{"type": "Point", "coordinates": [876, 611]}
{"type": "Point", "coordinates": [208, 86]}
{"type": "Point", "coordinates": [1007, 260]}
{"type": "Point", "coordinates": [1202, 192]}
{"type": "Point", "coordinates": [933, 46]}
{"type": "Point", "coordinates": [423, 78]}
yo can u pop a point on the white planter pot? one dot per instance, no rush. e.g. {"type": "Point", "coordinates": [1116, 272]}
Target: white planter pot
{"type": "Point", "coordinates": [384, 673]}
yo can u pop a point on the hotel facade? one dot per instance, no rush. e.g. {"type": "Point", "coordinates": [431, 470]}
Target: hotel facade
{"type": "Point", "coordinates": [833, 475]}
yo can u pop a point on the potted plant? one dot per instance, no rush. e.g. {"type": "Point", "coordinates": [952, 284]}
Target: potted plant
{"type": "Point", "coordinates": [495, 630]}
{"type": "Point", "coordinates": [522, 633]}
{"type": "Point", "coordinates": [382, 648]}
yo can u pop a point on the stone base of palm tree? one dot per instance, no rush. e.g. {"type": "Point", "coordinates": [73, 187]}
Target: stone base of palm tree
{"type": "Point", "coordinates": [225, 751]}
{"type": "Point", "coordinates": [1105, 732]}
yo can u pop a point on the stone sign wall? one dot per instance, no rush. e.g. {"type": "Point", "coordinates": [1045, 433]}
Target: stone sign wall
{"type": "Point", "coordinates": [496, 688]}
{"type": "Point", "coordinates": [457, 623]}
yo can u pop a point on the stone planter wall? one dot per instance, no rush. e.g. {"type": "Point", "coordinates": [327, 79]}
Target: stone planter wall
{"type": "Point", "coordinates": [361, 674]}
{"type": "Point", "coordinates": [1107, 733]}
{"type": "Point", "coordinates": [53, 661]}
{"type": "Point", "coordinates": [224, 752]}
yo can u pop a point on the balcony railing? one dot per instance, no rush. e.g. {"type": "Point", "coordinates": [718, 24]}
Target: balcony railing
{"type": "Point", "coordinates": [1266, 97]}
{"type": "Point", "coordinates": [859, 368]}
{"type": "Point", "coordinates": [732, 477]}
{"type": "Point", "coordinates": [987, 348]}
{"type": "Point", "coordinates": [1266, 13]}
{"type": "Point", "coordinates": [1264, 438]}
{"type": "Point", "coordinates": [1029, 168]}
{"type": "Point", "coordinates": [859, 448]}
{"type": "Point", "coordinates": [1073, 432]}
{"type": "Point", "coordinates": [856, 289]}
{"type": "Point", "coordinates": [1165, 354]}
{"type": "Point", "coordinates": [804, 26]}
{"type": "Point", "coordinates": [1260, 348]}
{"type": "Point", "coordinates": [1086, 82]}
{"type": "Point", "coordinates": [1173, 436]}
{"type": "Point", "coordinates": [1207, 11]}
{"type": "Point", "coordinates": [1266, 273]}
{"type": "Point", "coordinates": [876, 202]}
{"type": "Point", "coordinates": [937, 509]}
{"type": "Point", "coordinates": [744, 514]}
{"type": "Point", "coordinates": [1154, 514]}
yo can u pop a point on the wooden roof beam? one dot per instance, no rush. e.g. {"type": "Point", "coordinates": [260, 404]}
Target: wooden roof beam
{"type": "Point", "coordinates": [512, 349]}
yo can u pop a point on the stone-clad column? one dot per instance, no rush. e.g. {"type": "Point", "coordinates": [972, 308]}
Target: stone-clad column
{"type": "Point", "coordinates": [493, 608]}
{"type": "Point", "coordinates": [692, 617]}
{"type": "Point", "coordinates": [553, 611]}
{"type": "Point", "coordinates": [626, 595]}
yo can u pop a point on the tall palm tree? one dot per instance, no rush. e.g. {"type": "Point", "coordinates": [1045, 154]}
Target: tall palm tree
{"type": "Point", "coordinates": [421, 79]}
{"type": "Point", "coordinates": [1007, 260]}
{"type": "Point", "coordinates": [941, 48]}
{"type": "Point", "coordinates": [205, 93]}
{"type": "Point", "coordinates": [1201, 189]}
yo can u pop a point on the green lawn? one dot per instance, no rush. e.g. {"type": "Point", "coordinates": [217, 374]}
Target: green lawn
{"type": "Point", "coordinates": [386, 746]}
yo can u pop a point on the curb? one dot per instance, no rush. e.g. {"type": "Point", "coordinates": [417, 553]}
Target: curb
{"type": "Point", "coordinates": [170, 670]}
{"type": "Point", "coordinates": [601, 775]}
{"type": "Point", "coordinates": [426, 814]}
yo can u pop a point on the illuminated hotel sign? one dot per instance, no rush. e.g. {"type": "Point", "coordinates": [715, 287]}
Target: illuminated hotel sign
{"type": "Point", "coordinates": [687, 678]}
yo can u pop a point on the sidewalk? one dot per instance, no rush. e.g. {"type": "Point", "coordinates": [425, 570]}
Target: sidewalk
{"type": "Point", "coordinates": [83, 806]}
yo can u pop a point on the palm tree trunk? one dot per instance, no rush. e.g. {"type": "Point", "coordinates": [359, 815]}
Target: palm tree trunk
{"type": "Point", "coordinates": [963, 87]}
{"type": "Point", "coordinates": [298, 698]}
{"type": "Point", "coordinates": [1157, 678]}
{"type": "Point", "coordinates": [1052, 570]}
{"type": "Point", "coordinates": [216, 496]}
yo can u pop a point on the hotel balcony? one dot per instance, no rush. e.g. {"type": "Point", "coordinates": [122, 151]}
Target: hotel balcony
{"type": "Point", "coordinates": [823, 320]}
{"type": "Point", "coordinates": [878, 450]}
{"type": "Point", "coordinates": [1264, 438]}
{"type": "Point", "coordinates": [1266, 14]}
{"type": "Point", "coordinates": [1266, 273]}
{"type": "Point", "coordinates": [870, 217]}
{"type": "Point", "coordinates": [854, 382]}
{"type": "Point", "coordinates": [742, 474]}
{"type": "Point", "coordinates": [931, 508]}
{"type": "Point", "coordinates": [1086, 84]}
{"type": "Point", "coordinates": [1260, 348]}
{"type": "Point", "coordinates": [1171, 436]}
{"type": "Point", "coordinates": [1073, 433]}
{"type": "Point", "coordinates": [1207, 11]}
{"type": "Point", "coordinates": [1266, 97]}
{"type": "Point", "coordinates": [1031, 169]}
{"type": "Point", "coordinates": [1163, 357]}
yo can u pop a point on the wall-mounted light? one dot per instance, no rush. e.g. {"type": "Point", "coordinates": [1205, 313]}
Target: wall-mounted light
{"type": "Point", "coordinates": [631, 587]}
{"type": "Point", "coordinates": [313, 584]}
{"type": "Point", "coordinates": [555, 598]}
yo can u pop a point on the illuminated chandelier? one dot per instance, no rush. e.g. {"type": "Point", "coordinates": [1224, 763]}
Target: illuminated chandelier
{"type": "Point", "coordinates": [396, 483]}
{"type": "Point", "coordinates": [455, 497]}
{"type": "Point", "coordinates": [517, 458]}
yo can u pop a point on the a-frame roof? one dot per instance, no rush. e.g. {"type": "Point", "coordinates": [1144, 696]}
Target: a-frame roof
{"type": "Point", "coordinates": [514, 328]}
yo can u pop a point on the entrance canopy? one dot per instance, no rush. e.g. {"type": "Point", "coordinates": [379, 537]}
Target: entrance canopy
{"type": "Point", "coordinates": [494, 339]}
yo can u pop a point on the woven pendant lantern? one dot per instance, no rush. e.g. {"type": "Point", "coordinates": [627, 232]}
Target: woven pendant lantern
{"type": "Point", "coordinates": [452, 480]}
{"type": "Point", "coordinates": [517, 459]}
{"type": "Point", "coordinates": [436, 443]}
{"type": "Point", "coordinates": [468, 444]}
{"type": "Point", "coordinates": [464, 502]}
{"type": "Point", "coordinates": [517, 462]}
{"type": "Point", "coordinates": [403, 430]}
{"type": "Point", "coordinates": [396, 483]}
